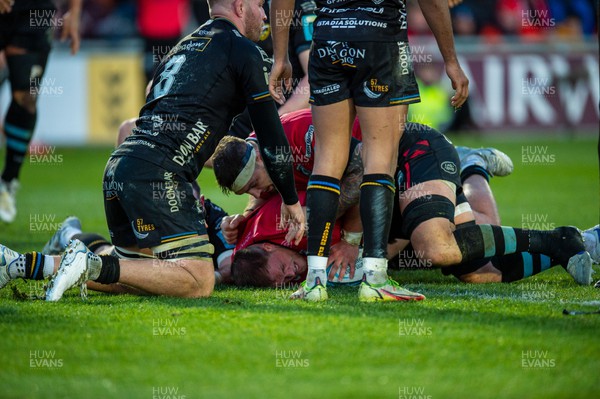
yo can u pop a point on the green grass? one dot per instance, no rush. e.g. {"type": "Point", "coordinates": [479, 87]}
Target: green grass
{"type": "Point", "coordinates": [463, 341]}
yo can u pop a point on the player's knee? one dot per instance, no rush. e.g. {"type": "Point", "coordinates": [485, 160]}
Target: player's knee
{"type": "Point", "coordinates": [26, 100]}
{"type": "Point", "coordinates": [428, 222]}
{"type": "Point", "coordinates": [201, 281]}
{"type": "Point", "coordinates": [437, 250]}
{"type": "Point", "coordinates": [442, 254]}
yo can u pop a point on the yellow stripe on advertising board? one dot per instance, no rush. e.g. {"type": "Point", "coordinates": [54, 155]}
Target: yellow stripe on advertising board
{"type": "Point", "coordinates": [116, 93]}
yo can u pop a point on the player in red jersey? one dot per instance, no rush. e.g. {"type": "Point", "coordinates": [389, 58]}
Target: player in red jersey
{"type": "Point", "coordinates": [426, 158]}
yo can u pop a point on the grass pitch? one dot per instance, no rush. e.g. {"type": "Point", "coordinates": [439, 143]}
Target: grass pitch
{"type": "Point", "coordinates": [491, 341]}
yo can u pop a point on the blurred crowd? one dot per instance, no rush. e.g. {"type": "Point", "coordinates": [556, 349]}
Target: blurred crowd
{"type": "Point", "coordinates": [525, 20]}
{"type": "Point", "coordinates": [491, 19]}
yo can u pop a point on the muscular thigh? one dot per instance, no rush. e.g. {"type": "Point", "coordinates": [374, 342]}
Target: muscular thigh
{"type": "Point", "coordinates": [373, 74]}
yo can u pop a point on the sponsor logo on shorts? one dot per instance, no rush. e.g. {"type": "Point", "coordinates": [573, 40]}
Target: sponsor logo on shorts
{"type": "Point", "coordinates": [341, 52]}
{"type": "Point", "coordinates": [168, 191]}
{"type": "Point", "coordinates": [111, 189]}
{"type": "Point", "coordinates": [449, 167]}
{"type": "Point", "coordinates": [374, 89]}
{"type": "Point", "coordinates": [141, 229]}
{"type": "Point", "coordinates": [329, 89]}
{"type": "Point", "coordinates": [405, 58]}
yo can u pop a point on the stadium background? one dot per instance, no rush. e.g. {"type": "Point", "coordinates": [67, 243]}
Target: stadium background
{"type": "Point", "coordinates": [531, 71]}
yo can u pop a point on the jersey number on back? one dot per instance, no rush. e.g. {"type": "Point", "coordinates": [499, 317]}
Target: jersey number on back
{"type": "Point", "coordinates": [167, 76]}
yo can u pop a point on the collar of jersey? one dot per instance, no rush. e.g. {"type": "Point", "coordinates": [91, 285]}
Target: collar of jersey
{"type": "Point", "coordinates": [226, 20]}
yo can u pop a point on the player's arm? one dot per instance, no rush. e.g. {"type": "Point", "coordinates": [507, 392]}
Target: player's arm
{"type": "Point", "coordinates": [300, 40]}
{"type": "Point", "coordinates": [272, 140]}
{"type": "Point", "coordinates": [437, 14]}
{"type": "Point", "coordinates": [281, 17]}
{"type": "Point", "coordinates": [70, 27]}
{"type": "Point", "coordinates": [299, 98]}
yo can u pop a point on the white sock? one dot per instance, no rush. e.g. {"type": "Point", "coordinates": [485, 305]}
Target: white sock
{"type": "Point", "coordinates": [375, 270]}
{"type": "Point", "coordinates": [316, 268]}
{"type": "Point", "coordinates": [48, 266]}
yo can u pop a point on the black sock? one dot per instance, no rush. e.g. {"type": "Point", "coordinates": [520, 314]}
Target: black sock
{"type": "Point", "coordinates": [91, 240]}
{"type": "Point", "coordinates": [322, 197]}
{"type": "Point", "coordinates": [521, 265]}
{"type": "Point", "coordinates": [34, 266]}
{"type": "Point", "coordinates": [485, 240]}
{"type": "Point", "coordinates": [111, 270]}
{"type": "Point", "coordinates": [18, 126]}
{"type": "Point", "coordinates": [376, 206]}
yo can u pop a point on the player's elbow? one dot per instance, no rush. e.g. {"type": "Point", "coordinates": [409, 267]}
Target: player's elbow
{"type": "Point", "coordinates": [125, 130]}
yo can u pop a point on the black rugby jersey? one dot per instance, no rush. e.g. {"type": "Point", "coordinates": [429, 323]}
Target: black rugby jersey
{"type": "Point", "coordinates": [206, 80]}
{"type": "Point", "coordinates": [361, 20]}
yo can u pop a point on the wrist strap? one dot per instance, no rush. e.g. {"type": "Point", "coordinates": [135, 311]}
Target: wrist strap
{"type": "Point", "coordinates": [352, 238]}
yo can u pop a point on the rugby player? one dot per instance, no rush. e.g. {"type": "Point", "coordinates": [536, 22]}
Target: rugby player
{"type": "Point", "coordinates": [262, 258]}
{"type": "Point", "coordinates": [25, 36]}
{"type": "Point", "coordinates": [359, 64]}
{"type": "Point", "coordinates": [426, 158]}
{"type": "Point", "coordinates": [207, 79]}
{"type": "Point", "coordinates": [71, 229]}
{"type": "Point", "coordinates": [300, 40]}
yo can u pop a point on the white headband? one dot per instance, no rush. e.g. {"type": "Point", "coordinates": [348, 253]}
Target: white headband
{"type": "Point", "coordinates": [246, 173]}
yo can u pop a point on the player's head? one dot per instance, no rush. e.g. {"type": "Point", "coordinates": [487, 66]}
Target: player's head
{"type": "Point", "coordinates": [239, 168]}
{"type": "Point", "coordinates": [247, 15]}
{"type": "Point", "coordinates": [254, 19]}
{"type": "Point", "coordinates": [267, 265]}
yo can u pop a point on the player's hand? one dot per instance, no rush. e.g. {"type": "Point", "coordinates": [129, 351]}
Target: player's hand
{"type": "Point", "coordinates": [342, 255]}
{"type": "Point", "coordinates": [6, 6]}
{"type": "Point", "coordinates": [229, 227]}
{"type": "Point", "coordinates": [454, 3]}
{"type": "Point", "coordinates": [280, 78]}
{"type": "Point", "coordinates": [460, 83]}
{"type": "Point", "coordinates": [70, 29]}
{"type": "Point", "coordinates": [293, 218]}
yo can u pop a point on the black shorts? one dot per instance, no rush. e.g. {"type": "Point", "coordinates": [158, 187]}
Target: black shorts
{"type": "Point", "coordinates": [150, 207]}
{"type": "Point", "coordinates": [373, 74]}
{"type": "Point", "coordinates": [430, 158]}
{"type": "Point", "coordinates": [433, 158]}
{"type": "Point", "coordinates": [214, 216]}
